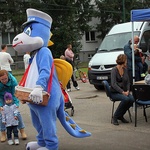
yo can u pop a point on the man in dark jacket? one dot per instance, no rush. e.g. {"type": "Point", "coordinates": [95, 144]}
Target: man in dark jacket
{"type": "Point", "coordinates": [128, 52]}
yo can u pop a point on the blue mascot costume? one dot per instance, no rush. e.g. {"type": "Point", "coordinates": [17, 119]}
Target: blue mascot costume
{"type": "Point", "coordinates": [35, 39]}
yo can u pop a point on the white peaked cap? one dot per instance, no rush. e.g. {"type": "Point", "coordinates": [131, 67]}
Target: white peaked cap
{"type": "Point", "coordinates": [34, 15]}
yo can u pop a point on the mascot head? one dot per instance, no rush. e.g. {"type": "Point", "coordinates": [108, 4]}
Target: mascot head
{"type": "Point", "coordinates": [36, 32]}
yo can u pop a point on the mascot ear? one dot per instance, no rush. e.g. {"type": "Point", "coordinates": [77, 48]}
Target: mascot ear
{"type": "Point", "coordinates": [50, 43]}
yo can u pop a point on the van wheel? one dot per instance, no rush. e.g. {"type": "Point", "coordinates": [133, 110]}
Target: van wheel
{"type": "Point", "coordinates": [99, 87]}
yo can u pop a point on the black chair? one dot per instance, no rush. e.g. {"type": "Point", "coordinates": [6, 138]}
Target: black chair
{"type": "Point", "coordinates": [108, 93]}
{"type": "Point", "coordinates": [142, 98]}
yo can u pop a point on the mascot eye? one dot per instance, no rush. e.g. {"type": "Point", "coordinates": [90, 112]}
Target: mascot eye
{"type": "Point", "coordinates": [28, 31]}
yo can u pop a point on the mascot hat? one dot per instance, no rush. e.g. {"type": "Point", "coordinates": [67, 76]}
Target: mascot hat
{"type": "Point", "coordinates": [34, 15]}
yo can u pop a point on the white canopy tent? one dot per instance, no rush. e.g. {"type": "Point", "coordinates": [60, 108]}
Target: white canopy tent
{"type": "Point", "coordinates": [137, 15]}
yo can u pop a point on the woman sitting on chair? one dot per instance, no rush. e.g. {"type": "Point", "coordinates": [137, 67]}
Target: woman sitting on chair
{"type": "Point", "coordinates": [120, 89]}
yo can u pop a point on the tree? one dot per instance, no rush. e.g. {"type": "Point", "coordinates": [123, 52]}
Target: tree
{"type": "Point", "coordinates": [12, 15]}
{"type": "Point", "coordinates": [111, 12]}
{"type": "Point", "coordinates": [70, 18]}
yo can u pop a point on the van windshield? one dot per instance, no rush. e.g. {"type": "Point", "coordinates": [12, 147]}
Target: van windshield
{"type": "Point", "coordinates": [116, 41]}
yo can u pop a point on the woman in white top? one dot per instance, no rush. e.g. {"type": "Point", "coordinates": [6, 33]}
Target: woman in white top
{"type": "Point", "coordinates": [5, 59]}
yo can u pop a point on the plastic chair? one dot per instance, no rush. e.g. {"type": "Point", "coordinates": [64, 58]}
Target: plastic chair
{"type": "Point", "coordinates": [108, 93]}
{"type": "Point", "coordinates": [142, 98]}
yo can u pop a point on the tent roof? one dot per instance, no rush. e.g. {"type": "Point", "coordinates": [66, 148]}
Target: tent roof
{"type": "Point", "coordinates": [140, 15]}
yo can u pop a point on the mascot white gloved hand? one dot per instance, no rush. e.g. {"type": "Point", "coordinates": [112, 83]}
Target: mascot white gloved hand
{"type": "Point", "coordinates": [36, 95]}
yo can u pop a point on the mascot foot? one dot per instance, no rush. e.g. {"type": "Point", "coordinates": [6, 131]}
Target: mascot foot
{"type": "Point", "coordinates": [33, 146]}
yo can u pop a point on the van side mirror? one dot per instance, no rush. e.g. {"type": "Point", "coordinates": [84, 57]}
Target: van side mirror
{"type": "Point", "coordinates": [96, 49]}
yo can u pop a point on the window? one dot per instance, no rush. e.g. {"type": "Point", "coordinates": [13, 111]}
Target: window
{"type": "Point", "coordinates": [7, 38]}
{"type": "Point", "coordinates": [90, 36]}
{"type": "Point", "coordinates": [90, 56]}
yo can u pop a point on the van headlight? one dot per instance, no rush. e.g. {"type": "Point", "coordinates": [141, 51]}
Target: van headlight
{"type": "Point", "coordinates": [89, 65]}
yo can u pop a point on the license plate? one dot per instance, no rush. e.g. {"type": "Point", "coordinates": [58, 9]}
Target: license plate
{"type": "Point", "coordinates": [102, 78]}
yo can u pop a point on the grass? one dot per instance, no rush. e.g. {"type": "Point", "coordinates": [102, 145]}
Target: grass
{"type": "Point", "coordinates": [83, 66]}
{"type": "Point", "coordinates": [18, 78]}
{"type": "Point", "coordinates": [83, 70]}
{"type": "Point", "coordinates": [19, 73]}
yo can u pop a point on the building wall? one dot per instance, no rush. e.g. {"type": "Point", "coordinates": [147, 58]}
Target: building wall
{"type": "Point", "coordinates": [0, 38]}
{"type": "Point", "coordinates": [89, 47]}
{"type": "Point", "coordinates": [18, 58]}
{"type": "Point", "coordinates": [12, 52]}
{"type": "Point", "coordinates": [84, 55]}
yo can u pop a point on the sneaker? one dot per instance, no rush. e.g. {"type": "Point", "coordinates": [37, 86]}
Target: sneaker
{"type": "Point", "coordinates": [68, 90]}
{"type": "Point", "coordinates": [10, 142]}
{"type": "Point", "coordinates": [16, 142]}
{"type": "Point", "coordinates": [77, 88]}
{"type": "Point", "coordinates": [142, 75]}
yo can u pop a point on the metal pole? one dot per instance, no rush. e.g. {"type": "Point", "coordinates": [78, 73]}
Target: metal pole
{"type": "Point", "coordinates": [123, 4]}
{"type": "Point", "coordinates": [133, 63]}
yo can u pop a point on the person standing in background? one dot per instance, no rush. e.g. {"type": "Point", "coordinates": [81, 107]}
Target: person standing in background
{"type": "Point", "coordinates": [69, 56]}
{"type": "Point", "coordinates": [128, 53]}
{"type": "Point", "coordinates": [5, 59]}
{"type": "Point", "coordinates": [26, 58]}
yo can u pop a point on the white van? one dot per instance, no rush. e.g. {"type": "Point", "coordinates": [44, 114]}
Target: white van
{"type": "Point", "coordinates": [104, 60]}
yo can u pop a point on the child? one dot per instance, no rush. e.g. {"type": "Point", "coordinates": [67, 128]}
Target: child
{"type": "Point", "coordinates": [62, 57]}
{"type": "Point", "coordinates": [9, 117]}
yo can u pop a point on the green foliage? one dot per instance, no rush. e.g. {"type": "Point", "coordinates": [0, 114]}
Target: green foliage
{"type": "Point", "coordinates": [111, 12]}
{"type": "Point", "coordinates": [70, 18]}
{"type": "Point", "coordinates": [69, 22]}
{"type": "Point", "coordinates": [12, 15]}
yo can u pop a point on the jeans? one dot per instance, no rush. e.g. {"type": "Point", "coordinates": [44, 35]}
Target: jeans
{"type": "Point", "coordinates": [124, 105]}
{"type": "Point", "coordinates": [11, 129]}
{"type": "Point", "coordinates": [75, 84]}
{"type": "Point", "coordinates": [20, 125]}
{"type": "Point", "coordinates": [140, 65]}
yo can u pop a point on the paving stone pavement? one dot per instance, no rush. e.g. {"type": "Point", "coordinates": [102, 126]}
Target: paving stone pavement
{"type": "Point", "coordinates": [93, 113]}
